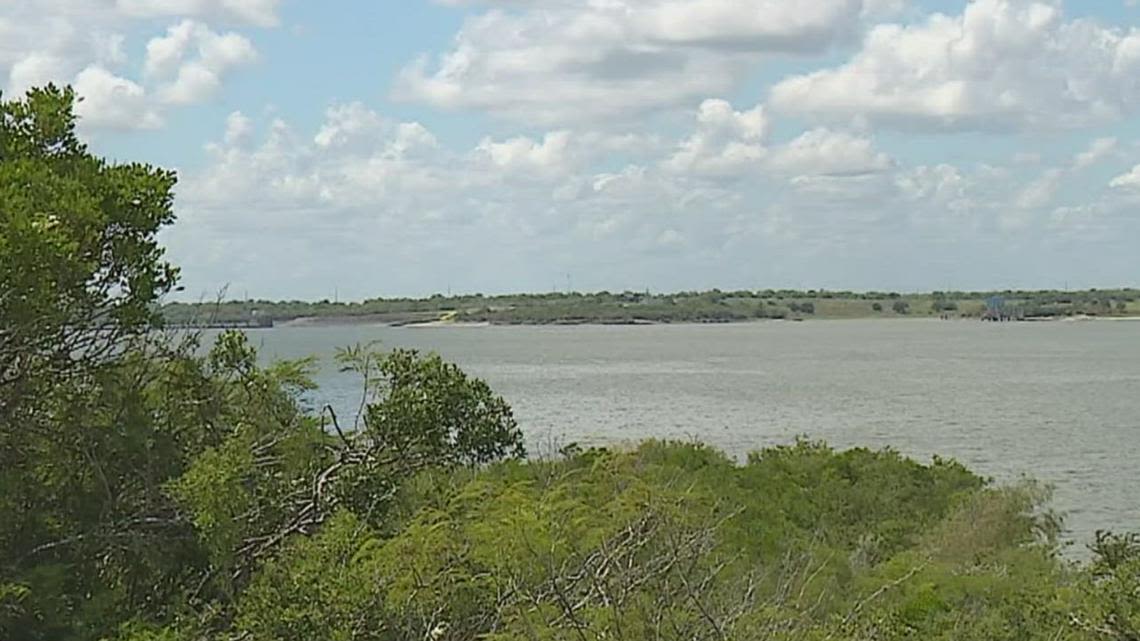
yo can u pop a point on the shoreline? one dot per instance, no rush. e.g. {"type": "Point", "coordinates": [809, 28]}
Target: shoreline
{"type": "Point", "coordinates": [350, 321]}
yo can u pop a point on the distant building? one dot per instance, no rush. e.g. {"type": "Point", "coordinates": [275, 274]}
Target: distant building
{"type": "Point", "coordinates": [998, 310]}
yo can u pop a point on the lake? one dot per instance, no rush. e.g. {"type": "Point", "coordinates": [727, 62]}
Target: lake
{"type": "Point", "coordinates": [1056, 401]}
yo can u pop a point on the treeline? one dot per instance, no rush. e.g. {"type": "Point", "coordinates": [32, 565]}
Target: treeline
{"type": "Point", "coordinates": [151, 490]}
{"type": "Point", "coordinates": [631, 307]}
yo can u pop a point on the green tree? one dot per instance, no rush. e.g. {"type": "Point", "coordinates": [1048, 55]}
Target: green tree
{"type": "Point", "coordinates": [80, 265]}
{"type": "Point", "coordinates": [1110, 595]}
{"type": "Point", "coordinates": [80, 273]}
{"type": "Point", "coordinates": [142, 484]}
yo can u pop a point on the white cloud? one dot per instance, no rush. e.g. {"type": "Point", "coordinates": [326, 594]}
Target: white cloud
{"type": "Point", "coordinates": [764, 25]}
{"type": "Point", "coordinates": [1098, 150]}
{"type": "Point", "coordinates": [34, 70]}
{"type": "Point", "coordinates": [403, 215]}
{"type": "Point", "coordinates": [164, 54]}
{"type": "Point", "coordinates": [52, 41]}
{"type": "Point", "coordinates": [522, 154]}
{"type": "Point", "coordinates": [730, 143]}
{"type": "Point", "coordinates": [239, 129]}
{"type": "Point", "coordinates": [726, 141]}
{"type": "Point", "coordinates": [830, 153]}
{"type": "Point", "coordinates": [1129, 180]}
{"type": "Point", "coordinates": [411, 138]}
{"type": "Point", "coordinates": [191, 61]}
{"type": "Point", "coordinates": [558, 62]}
{"type": "Point", "coordinates": [58, 40]}
{"type": "Point", "coordinates": [1001, 64]}
{"type": "Point", "coordinates": [113, 102]}
{"type": "Point", "coordinates": [384, 207]}
{"type": "Point", "coordinates": [356, 156]}
{"type": "Point", "coordinates": [1041, 191]}
{"type": "Point", "coordinates": [354, 129]}
{"type": "Point", "coordinates": [262, 13]}
{"type": "Point", "coordinates": [347, 123]}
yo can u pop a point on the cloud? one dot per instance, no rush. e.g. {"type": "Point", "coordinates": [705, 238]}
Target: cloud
{"type": "Point", "coordinates": [729, 143]}
{"type": "Point", "coordinates": [1129, 180]}
{"type": "Point", "coordinates": [33, 70]}
{"type": "Point", "coordinates": [726, 141]}
{"type": "Point", "coordinates": [375, 205]}
{"type": "Point", "coordinates": [1001, 64]}
{"type": "Point", "coordinates": [239, 129]}
{"type": "Point", "coordinates": [191, 60]}
{"type": "Point", "coordinates": [84, 43]}
{"type": "Point", "coordinates": [759, 25]}
{"type": "Point", "coordinates": [825, 152]}
{"type": "Point", "coordinates": [1040, 192]}
{"type": "Point", "coordinates": [261, 13]}
{"type": "Point", "coordinates": [553, 62]}
{"type": "Point", "coordinates": [109, 101]}
{"type": "Point", "coordinates": [522, 154]}
{"type": "Point", "coordinates": [1099, 149]}
{"type": "Point", "coordinates": [366, 194]}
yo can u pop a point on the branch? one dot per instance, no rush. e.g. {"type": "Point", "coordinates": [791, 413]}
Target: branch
{"type": "Point", "coordinates": [336, 425]}
{"type": "Point", "coordinates": [877, 593]}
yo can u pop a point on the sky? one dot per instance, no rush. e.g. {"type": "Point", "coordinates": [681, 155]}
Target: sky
{"type": "Point", "coordinates": [352, 149]}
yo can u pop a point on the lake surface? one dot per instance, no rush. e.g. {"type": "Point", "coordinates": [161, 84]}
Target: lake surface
{"type": "Point", "coordinates": [1056, 401]}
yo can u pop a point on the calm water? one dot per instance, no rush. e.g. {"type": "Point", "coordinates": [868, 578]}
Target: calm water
{"type": "Point", "coordinates": [1056, 401]}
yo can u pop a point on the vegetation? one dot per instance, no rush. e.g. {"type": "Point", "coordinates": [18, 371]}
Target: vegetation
{"type": "Point", "coordinates": [152, 492]}
{"type": "Point", "coordinates": [642, 307]}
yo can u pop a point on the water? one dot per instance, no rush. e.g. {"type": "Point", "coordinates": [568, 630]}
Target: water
{"type": "Point", "coordinates": [1056, 401]}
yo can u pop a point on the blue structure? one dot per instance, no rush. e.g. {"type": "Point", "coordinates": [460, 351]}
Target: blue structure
{"type": "Point", "coordinates": [996, 310]}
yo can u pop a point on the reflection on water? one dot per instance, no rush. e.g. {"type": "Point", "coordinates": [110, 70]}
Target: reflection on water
{"type": "Point", "coordinates": [1056, 401]}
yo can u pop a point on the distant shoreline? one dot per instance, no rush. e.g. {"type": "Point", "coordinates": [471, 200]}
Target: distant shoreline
{"type": "Point", "coordinates": [359, 321]}
{"type": "Point", "coordinates": [645, 308]}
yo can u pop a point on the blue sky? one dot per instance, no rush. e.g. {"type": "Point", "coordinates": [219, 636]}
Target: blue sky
{"type": "Point", "coordinates": [405, 148]}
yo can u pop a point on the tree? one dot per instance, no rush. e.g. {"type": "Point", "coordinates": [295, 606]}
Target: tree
{"type": "Point", "coordinates": [901, 307]}
{"type": "Point", "coordinates": [878, 307]}
{"type": "Point", "coordinates": [80, 265]}
{"type": "Point", "coordinates": [80, 273]}
{"type": "Point", "coordinates": [1110, 604]}
{"type": "Point", "coordinates": [141, 483]}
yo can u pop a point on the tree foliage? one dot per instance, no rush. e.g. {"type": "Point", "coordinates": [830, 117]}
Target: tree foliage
{"type": "Point", "coordinates": [80, 265]}
{"type": "Point", "coordinates": [141, 481]}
